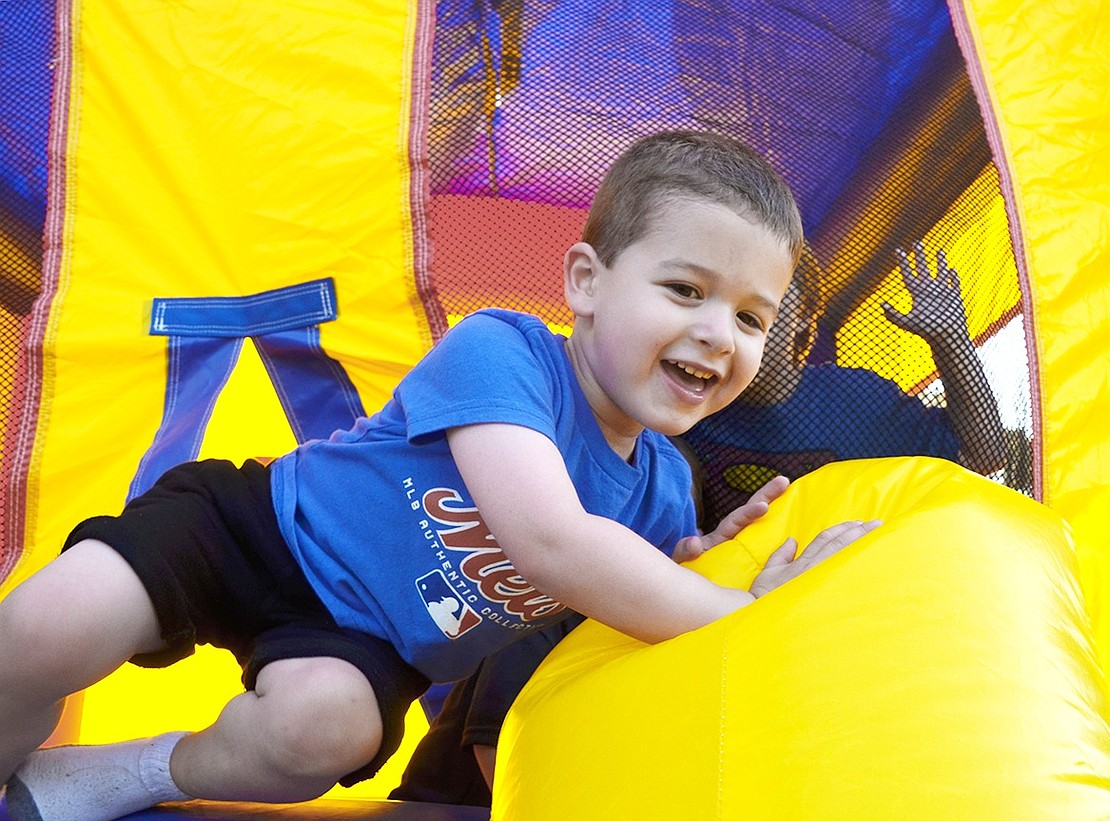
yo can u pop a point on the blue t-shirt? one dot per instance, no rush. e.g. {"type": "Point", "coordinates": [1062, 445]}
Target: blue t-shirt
{"type": "Point", "coordinates": [389, 537]}
{"type": "Point", "coordinates": [836, 413]}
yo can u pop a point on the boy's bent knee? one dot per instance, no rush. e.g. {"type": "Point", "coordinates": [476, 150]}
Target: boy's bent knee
{"type": "Point", "coordinates": [321, 716]}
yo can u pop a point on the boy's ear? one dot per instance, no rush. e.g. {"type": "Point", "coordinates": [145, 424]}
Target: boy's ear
{"type": "Point", "coordinates": [803, 342]}
{"type": "Point", "coordinates": [580, 271]}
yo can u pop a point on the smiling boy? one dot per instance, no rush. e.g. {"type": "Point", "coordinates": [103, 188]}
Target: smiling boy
{"type": "Point", "coordinates": [513, 475]}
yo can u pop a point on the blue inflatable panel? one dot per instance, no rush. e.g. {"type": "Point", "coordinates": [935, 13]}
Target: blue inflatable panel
{"type": "Point", "coordinates": [321, 810]}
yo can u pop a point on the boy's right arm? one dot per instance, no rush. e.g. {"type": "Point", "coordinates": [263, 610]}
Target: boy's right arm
{"type": "Point", "coordinates": [938, 316]}
{"type": "Point", "coordinates": [594, 565]}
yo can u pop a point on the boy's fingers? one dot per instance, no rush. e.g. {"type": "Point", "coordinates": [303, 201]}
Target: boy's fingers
{"type": "Point", "coordinates": [784, 554]}
{"type": "Point", "coordinates": [730, 526]}
{"type": "Point", "coordinates": [688, 548]}
{"type": "Point", "coordinates": [837, 537]}
{"type": "Point", "coordinates": [895, 316]}
{"type": "Point", "coordinates": [740, 518]}
{"type": "Point", "coordinates": [771, 490]}
{"type": "Point", "coordinates": [921, 260]}
{"type": "Point", "coordinates": [753, 509]}
{"type": "Point", "coordinates": [953, 279]}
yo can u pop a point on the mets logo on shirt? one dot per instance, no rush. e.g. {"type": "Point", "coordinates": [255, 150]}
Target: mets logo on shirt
{"type": "Point", "coordinates": [450, 613]}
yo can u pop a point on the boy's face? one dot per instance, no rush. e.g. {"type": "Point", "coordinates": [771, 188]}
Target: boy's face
{"type": "Point", "coordinates": [674, 329]}
{"type": "Point", "coordinates": [777, 380]}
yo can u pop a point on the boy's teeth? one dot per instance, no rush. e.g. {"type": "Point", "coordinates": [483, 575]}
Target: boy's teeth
{"type": "Point", "coordinates": [693, 371]}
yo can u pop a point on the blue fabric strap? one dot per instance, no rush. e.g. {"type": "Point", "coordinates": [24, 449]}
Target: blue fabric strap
{"type": "Point", "coordinates": [196, 371]}
{"type": "Point", "coordinates": [283, 309]}
{"type": "Point", "coordinates": [313, 388]}
{"type": "Point", "coordinates": [205, 337]}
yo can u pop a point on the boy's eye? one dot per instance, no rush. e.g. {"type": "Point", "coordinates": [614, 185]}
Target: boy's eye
{"type": "Point", "coordinates": [751, 320]}
{"type": "Point", "coordinates": [683, 290]}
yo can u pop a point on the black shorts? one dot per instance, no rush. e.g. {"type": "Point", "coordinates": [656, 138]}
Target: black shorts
{"type": "Point", "coordinates": [205, 542]}
{"type": "Point", "coordinates": [443, 769]}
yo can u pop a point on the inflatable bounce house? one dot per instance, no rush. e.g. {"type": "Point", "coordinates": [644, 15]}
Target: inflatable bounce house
{"type": "Point", "coordinates": [229, 227]}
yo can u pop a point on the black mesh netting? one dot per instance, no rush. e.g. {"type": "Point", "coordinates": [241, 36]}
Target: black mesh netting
{"type": "Point", "coordinates": [870, 116]}
{"type": "Point", "coordinates": [866, 110]}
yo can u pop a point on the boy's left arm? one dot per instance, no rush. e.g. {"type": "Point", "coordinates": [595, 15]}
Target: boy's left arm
{"type": "Point", "coordinates": [939, 317]}
{"type": "Point", "coordinates": [519, 481]}
{"type": "Point", "coordinates": [594, 565]}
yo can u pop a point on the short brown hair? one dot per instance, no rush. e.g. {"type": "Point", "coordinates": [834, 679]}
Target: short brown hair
{"type": "Point", "coordinates": [694, 164]}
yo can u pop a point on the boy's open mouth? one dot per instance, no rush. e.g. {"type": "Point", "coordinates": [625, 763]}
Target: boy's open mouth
{"type": "Point", "coordinates": [693, 378]}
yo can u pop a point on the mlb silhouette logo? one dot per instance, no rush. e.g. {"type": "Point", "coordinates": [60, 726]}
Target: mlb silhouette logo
{"type": "Point", "coordinates": [450, 613]}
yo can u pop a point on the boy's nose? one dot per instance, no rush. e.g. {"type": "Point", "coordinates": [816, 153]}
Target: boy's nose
{"type": "Point", "coordinates": [716, 331]}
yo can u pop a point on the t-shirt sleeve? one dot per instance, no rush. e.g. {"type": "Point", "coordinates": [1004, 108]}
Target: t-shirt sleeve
{"type": "Point", "coordinates": [484, 370]}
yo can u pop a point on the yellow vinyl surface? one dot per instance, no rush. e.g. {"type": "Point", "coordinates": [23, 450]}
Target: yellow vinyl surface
{"type": "Point", "coordinates": [941, 667]}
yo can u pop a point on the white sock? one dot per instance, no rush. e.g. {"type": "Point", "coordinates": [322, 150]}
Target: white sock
{"type": "Point", "coordinates": [94, 783]}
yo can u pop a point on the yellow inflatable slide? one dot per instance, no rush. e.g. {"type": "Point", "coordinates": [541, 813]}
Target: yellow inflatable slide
{"type": "Point", "coordinates": [359, 173]}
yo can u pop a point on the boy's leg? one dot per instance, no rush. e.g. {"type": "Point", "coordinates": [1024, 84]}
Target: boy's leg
{"type": "Point", "coordinates": [307, 723]}
{"type": "Point", "coordinates": [63, 629]}
{"type": "Point", "coordinates": [93, 783]}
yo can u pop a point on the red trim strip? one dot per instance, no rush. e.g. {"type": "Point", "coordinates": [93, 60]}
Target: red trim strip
{"type": "Point", "coordinates": [962, 26]}
{"type": "Point", "coordinates": [418, 168]}
{"type": "Point", "coordinates": [27, 399]}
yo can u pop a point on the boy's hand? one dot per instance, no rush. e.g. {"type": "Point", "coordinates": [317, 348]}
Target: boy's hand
{"type": "Point", "coordinates": [693, 546]}
{"type": "Point", "coordinates": [937, 313]}
{"type": "Point", "coordinates": [781, 567]}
